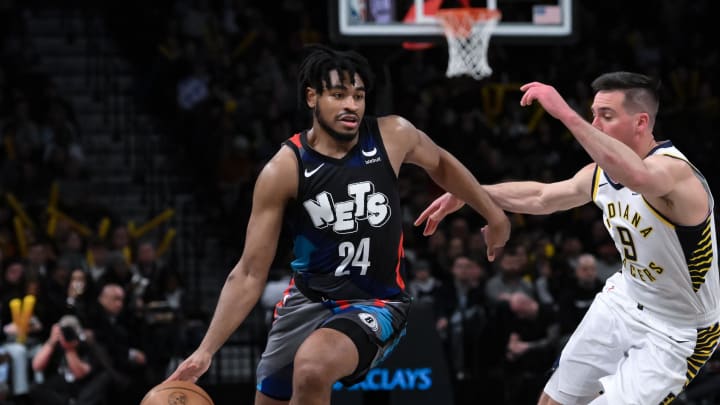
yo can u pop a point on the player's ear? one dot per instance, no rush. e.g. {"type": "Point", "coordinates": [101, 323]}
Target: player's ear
{"type": "Point", "coordinates": [642, 122]}
{"type": "Point", "coordinates": [311, 97]}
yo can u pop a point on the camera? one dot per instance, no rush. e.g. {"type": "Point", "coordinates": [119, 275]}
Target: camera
{"type": "Point", "coordinates": [69, 333]}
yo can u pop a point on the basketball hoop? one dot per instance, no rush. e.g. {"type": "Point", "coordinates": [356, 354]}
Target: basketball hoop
{"type": "Point", "coordinates": [468, 33]}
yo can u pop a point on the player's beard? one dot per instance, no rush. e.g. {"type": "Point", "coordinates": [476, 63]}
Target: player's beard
{"type": "Point", "coordinates": [340, 137]}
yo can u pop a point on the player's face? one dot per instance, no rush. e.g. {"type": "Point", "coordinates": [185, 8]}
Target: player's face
{"type": "Point", "coordinates": [612, 118]}
{"type": "Point", "coordinates": [341, 107]}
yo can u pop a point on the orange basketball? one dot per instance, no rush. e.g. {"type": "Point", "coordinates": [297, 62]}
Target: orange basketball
{"type": "Point", "coordinates": [177, 393]}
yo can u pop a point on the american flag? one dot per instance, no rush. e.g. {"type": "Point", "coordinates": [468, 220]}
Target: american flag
{"type": "Point", "coordinates": [545, 14]}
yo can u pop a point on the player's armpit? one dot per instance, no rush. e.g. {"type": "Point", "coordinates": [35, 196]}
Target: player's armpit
{"type": "Point", "coordinates": [661, 175]}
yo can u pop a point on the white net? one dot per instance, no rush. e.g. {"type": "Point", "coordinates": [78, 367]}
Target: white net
{"type": "Point", "coordinates": [468, 32]}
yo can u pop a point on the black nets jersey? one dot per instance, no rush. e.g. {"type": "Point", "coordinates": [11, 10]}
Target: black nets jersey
{"type": "Point", "coordinates": [346, 224]}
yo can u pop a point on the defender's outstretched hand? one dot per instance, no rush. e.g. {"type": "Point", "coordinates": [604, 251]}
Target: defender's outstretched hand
{"type": "Point", "coordinates": [192, 368]}
{"type": "Point", "coordinates": [547, 96]}
{"type": "Point", "coordinates": [435, 212]}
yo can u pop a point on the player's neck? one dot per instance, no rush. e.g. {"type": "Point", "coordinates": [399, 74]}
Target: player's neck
{"type": "Point", "coordinates": [647, 146]}
{"type": "Point", "coordinates": [325, 144]}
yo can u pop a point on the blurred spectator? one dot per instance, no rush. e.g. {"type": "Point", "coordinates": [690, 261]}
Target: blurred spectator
{"type": "Point", "coordinates": [423, 287]}
{"type": "Point", "coordinates": [118, 272]}
{"type": "Point", "coordinates": [543, 287]}
{"type": "Point", "coordinates": [456, 248]}
{"type": "Point", "coordinates": [477, 249]}
{"type": "Point", "coordinates": [509, 276]}
{"type": "Point", "coordinates": [68, 366]}
{"type": "Point", "coordinates": [462, 322]}
{"type": "Point", "coordinates": [54, 291]}
{"type": "Point", "coordinates": [575, 300]}
{"type": "Point", "coordinates": [570, 248]}
{"type": "Point", "coordinates": [608, 260]}
{"type": "Point", "coordinates": [80, 295]}
{"type": "Point", "coordinates": [39, 260]}
{"type": "Point", "coordinates": [148, 274]}
{"type": "Point", "coordinates": [120, 240]}
{"type": "Point", "coordinates": [97, 258]}
{"type": "Point", "coordinates": [73, 246]}
{"type": "Point", "coordinates": [119, 336]}
{"type": "Point", "coordinates": [531, 348]}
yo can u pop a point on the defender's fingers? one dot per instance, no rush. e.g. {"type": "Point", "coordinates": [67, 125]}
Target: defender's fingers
{"type": "Point", "coordinates": [424, 215]}
{"type": "Point", "coordinates": [430, 227]}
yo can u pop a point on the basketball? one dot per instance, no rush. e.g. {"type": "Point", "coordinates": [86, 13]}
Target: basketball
{"type": "Point", "coordinates": [177, 393]}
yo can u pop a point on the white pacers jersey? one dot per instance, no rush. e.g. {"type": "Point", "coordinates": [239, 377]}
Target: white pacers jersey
{"type": "Point", "coordinates": [671, 270]}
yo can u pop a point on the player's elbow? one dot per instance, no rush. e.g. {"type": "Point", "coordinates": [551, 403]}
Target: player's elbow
{"type": "Point", "coordinates": [248, 269]}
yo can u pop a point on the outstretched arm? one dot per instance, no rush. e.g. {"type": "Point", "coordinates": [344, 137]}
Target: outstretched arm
{"type": "Point", "coordinates": [451, 175]}
{"type": "Point", "coordinates": [531, 197]}
{"type": "Point", "coordinates": [652, 177]}
{"type": "Point", "coordinates": [526, 197]}
{"type": "Point", "coordinates": [246, 281]}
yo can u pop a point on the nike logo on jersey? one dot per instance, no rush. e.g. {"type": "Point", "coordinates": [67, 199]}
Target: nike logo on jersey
{"type": "Point", "coordinates": [602, 184]}
{"type": "Point", "coordinates": [311, 172]}
{"type": "Point", "coordinates": [369, 153]}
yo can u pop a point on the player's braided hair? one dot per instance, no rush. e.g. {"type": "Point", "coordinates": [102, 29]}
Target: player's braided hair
{"type": "Point", "coordinates": [321, 60]}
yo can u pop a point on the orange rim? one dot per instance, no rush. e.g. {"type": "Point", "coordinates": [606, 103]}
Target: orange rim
{"type": "Point", "coordinates": [459, 21]}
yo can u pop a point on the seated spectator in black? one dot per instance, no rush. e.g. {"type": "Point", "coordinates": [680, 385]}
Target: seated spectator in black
{"type": "Point", "coordinates": [424, 286]}
{"type": "Point", "coordinates": [148, 274]}
{"type": "Point", "coordinates": [97, 258]}
{"type": "Point", "coordinates": [39, 260]}
{"type": "Point", "coordinates": [118, 272]}
{"type": "Point", "coordinates": [72, 246]}
{"type": "Point", "coordinates": [120, 238]}
{"type": "Point", "coordinates": [462, 321]}
{"type": "Point", "coordinates": [531, 347]}
{"type": "Point", "coordinates": [508, 278]}
{"type": "Point", "coordinates": [80, 295]}
{"type": "Point", "coordinates": [120, 338]}
{"type": "Point", "coordinates": [575, 300]}
{"type": "Point", "coordinates": [68, 366]}
{"type": "Point", "coordinates": [608, 259]}
{"type": "Point", "coordinates": [53, 295]}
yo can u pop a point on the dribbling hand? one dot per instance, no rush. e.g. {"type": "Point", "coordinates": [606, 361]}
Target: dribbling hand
{"type": "Point", "coordinates": [435, 212]}
{"type": "Point", "coordinates": [496, 236]}
{"type": "Point", "coordinates": [192, 368]}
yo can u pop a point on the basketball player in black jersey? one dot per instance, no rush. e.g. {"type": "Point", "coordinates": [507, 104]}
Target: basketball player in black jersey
{"type": "Point", "coordinates": [335, 186]}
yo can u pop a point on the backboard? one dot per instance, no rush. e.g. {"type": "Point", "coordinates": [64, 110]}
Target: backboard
{"type": "Point", "coordinates": [392, 21]}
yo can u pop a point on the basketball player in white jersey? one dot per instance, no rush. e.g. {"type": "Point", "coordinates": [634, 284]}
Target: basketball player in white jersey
{"type": "Point", "coordinates": [655, 324]}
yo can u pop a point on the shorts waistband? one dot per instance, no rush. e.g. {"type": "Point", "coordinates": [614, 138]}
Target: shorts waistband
{"type": "Point", "coordinates": [698, 321]}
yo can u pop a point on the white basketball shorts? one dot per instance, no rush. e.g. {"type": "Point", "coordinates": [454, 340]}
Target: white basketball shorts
{"type": "Point", "coordinates": [621, 350]}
